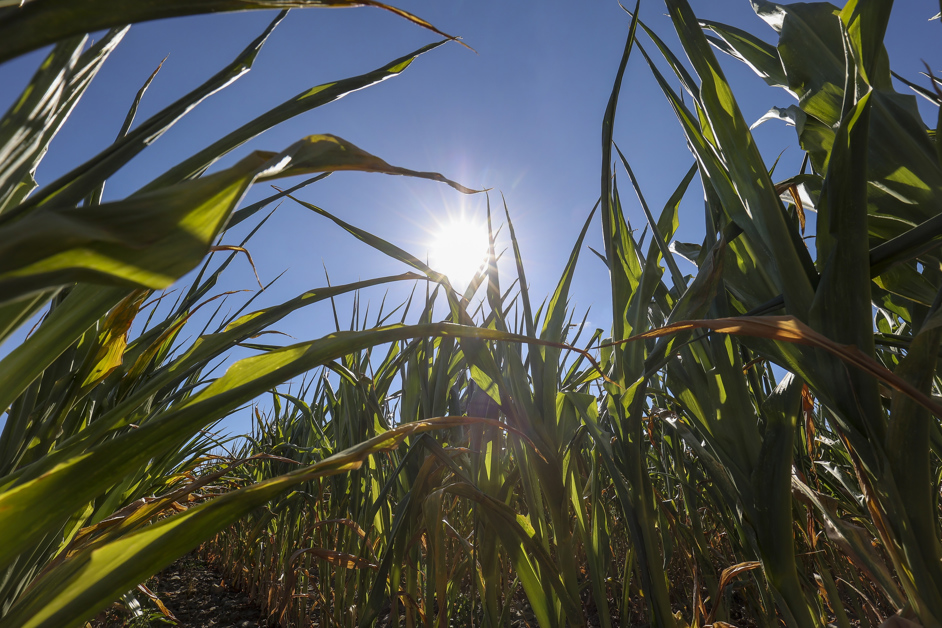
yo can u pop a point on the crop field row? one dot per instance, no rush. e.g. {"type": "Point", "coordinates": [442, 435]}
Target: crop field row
{"type": "Point", "coordinates": [754, 443]}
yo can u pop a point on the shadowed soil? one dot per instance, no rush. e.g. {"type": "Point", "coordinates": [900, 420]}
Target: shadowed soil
{"type": "Point", "coordinates": [196, 595]}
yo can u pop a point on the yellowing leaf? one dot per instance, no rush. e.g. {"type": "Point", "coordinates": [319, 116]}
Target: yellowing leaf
{"type": "Point", "coordinates": [113, 339]}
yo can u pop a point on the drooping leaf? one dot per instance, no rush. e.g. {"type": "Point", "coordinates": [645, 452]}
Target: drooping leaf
{"type": "Point", "coordinates": [73, 186]}
{"type": "Point", "coordinates": [40, 22]}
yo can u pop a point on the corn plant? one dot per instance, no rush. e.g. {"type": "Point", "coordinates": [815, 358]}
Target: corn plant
{"type": "Point", "coordinates": [795, 433]}
{"type": "Point", "coordinates": [754, 442]}
{"type": "Point", "coordinates": [860, 137]}
{"type": "Point", "coordinates": [103, 432]}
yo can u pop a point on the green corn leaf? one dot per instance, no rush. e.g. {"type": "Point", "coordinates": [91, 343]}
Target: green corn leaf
{"type": "Point", "coordinates": [517, 537]}
{"type": "Point", "coordinates": [94, 197]}
{"type": "Point", "coordinates": [40, 22]}
{"type": "Point", "coordinates": [669, 214]}
{"type": "Point", "coordinates": [545, 367]}
{"type": "Point", "coordinates": [73, 186]}
{"type": "Point", "coordinates": [686, 81]}
{"type": "Point", "coordinates": [305, 101]}
{"type": "Point", "coordinates": [329, 153]}
{"type": "Point", "coordinates": [811, 49]}
{"type": "Point", "coordinates": [788, 330]}
{"type": "Point", "coordinates": [906, 246]}
{"type": "Point", "coordinates": [845, 534]}
{"type": "Point", "coordinates": [206, 348]}
{"type": "Point", "coordinates": [903, 171]}
{"type": "Point", "coordinates": [761, 57]}
{"type": "Point", "coordinates": [771, 481]}
{"type": "Point", "coordinates": [528, 320]}
{"type": "Point", "coordinates": [76, 588]}
{"type": "Point", "coordinates": [37, 115]}
{"type": "Point", "coordinates": [843, 256]}
{"type": "Point", "coordinates": [184, 219]}
{"type": "Point", "coordinates": [147, 240]}
{"type": "Point", "coordinates": [84, 305]}
{"type": "Point", "coordinates": [61, 484]}
{"type": "Point", "coordinates": [614, 228]}
{"type": "Point", "coordinates": [152, 238]}
{"type": "Point", "coordinates": [745, 166]}
{"type": "Point", "coordinates": [13, 315]}
{"type": "Point", "coordinates": [908, 449]}
{"type": "Point", "coordinates": [866, 21]}
{"type": "Point", "coordinates": [905, 281]}
{"type": "Point", "coordinates": [718, 182]}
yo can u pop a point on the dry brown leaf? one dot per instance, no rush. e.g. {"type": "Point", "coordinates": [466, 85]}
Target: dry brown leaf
{"type": "Point", "coordinates": [790, 329]}
{"type": "Point", "coordinates": [239, 249]}
{"type": "Point", "coordinates": [156, 600]}
{"type": "Point", "coordinates": [725, 578]}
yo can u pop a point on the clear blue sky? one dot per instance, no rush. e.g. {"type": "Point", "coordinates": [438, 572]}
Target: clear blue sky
{"type": "Point", "coordinates": [522, 116]}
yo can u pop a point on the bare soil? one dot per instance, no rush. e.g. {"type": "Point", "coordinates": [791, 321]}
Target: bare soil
{"type": "Point", "coordinates": [197, 597]}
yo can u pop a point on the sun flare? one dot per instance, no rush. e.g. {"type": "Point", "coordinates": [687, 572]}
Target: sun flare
{"type": "Point", "coordinates": [458, 249]}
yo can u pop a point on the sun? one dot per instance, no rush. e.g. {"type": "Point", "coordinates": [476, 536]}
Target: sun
{"type": "Point", "coordinates": [458, 249]}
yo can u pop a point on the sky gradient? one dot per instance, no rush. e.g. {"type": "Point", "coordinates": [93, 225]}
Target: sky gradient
{"type": "Point", "coordinates": [521, 115]}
